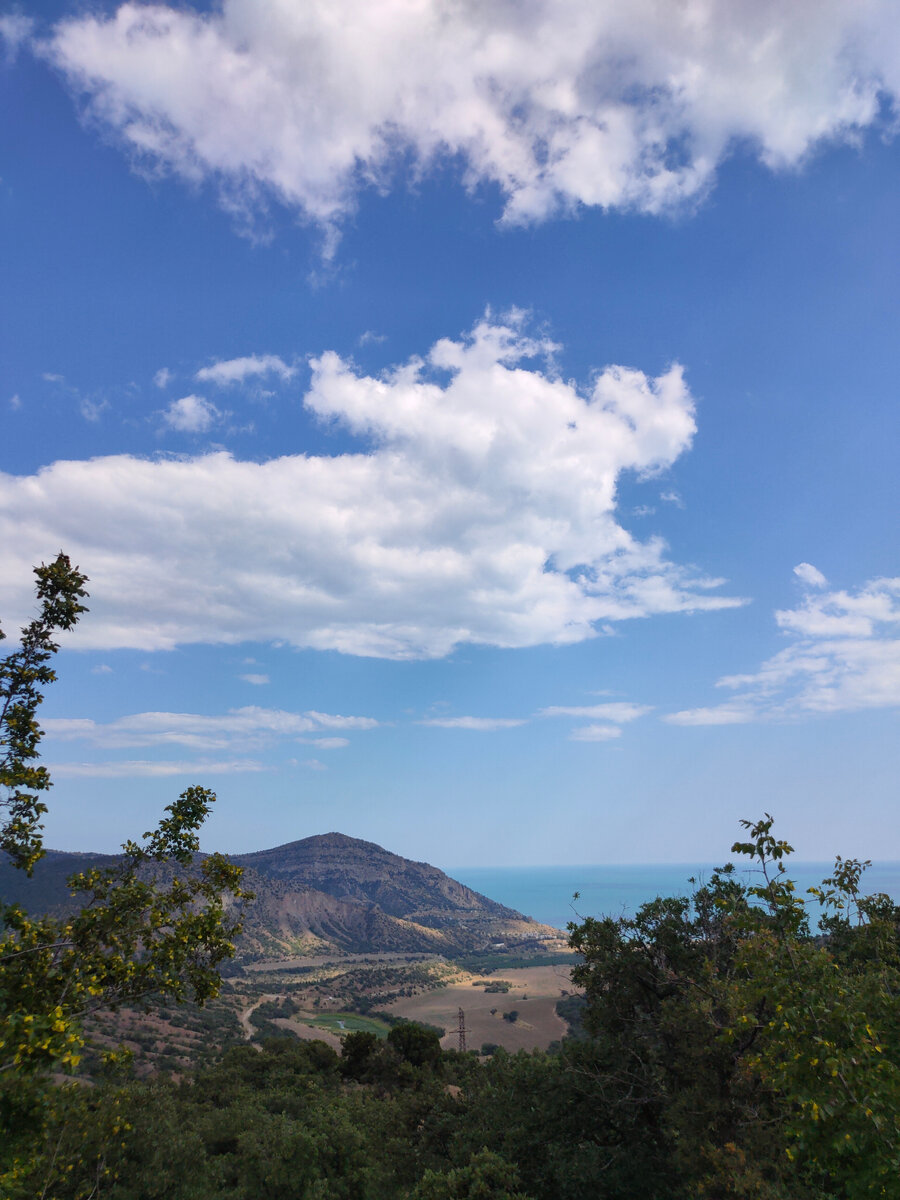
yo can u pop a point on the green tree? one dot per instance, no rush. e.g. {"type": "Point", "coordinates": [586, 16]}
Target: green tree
{"type": "Point", "coordinates": [152, 924]}
{"type": "Point", "coordinates": [486, 1176]}
{"type": "Point", "coordinates": [60, 590]}
{"type": "Point", "coordinates": [357, 1050]}
{"type": "Point", "coordinates": [417, 1045]}
{"type": "Point", "coordinates": [761, 1058]}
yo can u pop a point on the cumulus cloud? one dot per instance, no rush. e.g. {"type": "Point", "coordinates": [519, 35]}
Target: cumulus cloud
{"type": "Point", "coordinates": [236, 370]}
{"type": "Point", "coordinates": [256, 680]}
{"type": "Point", "coordinates": [845, 656]}
{"type": "Point", "coordinates": [191, 414]}
{"type": "Point", "coordinates": [484, 512]}
{"type": "Point", "coordinates": [145, 767]}
{"type": "Point", "coordinates": [618, 712]}
{"type": "Point", "coordinates": [843, 614]}
{"type": "Point", "coordinates": [558, 102]}
{"type": "Point", "coordinates": [479, 724]}
{"type": "Point", "coordinates": [245, 728]}
{"type": "Point", "coordinates": [810, 575]}
{"type": "Point", "coordinates": [163, 377]}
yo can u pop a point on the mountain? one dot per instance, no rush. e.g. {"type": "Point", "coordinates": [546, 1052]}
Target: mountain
{"type": "Point", "coordinates": [326, 894]}
{"type": "Point", "coordinates": [46, 891]}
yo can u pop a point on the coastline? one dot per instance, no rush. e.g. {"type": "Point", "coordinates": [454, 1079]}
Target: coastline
{"type": "Point", "coordinates": [616, 889]}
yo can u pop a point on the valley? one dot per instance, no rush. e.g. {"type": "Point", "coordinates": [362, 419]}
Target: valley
{"type": "Point", "coordinates": [514, 1007]}
{"type": "Point", "coordinates": [341, 936]}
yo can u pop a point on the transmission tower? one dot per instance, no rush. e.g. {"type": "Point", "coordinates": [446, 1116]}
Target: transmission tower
{"type": "Point", "coordinates": [462, 1032]}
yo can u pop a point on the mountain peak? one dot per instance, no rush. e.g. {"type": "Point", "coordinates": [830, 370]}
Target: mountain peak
{"type": "Point", "coordinates": [332, 893]}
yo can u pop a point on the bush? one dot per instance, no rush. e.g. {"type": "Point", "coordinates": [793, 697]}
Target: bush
{"type": "Point", "coordinates": [415, 1044]}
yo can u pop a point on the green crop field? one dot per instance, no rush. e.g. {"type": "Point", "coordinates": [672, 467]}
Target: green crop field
{"type": "Point", "coordinates": [346, 1022]}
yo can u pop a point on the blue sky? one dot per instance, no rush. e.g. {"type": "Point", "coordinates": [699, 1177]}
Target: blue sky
{"type": "Point", "coordinates": [479, 426]}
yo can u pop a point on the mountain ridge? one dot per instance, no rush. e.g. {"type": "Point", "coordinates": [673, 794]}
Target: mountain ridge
{"type": "Point", "coordinates": [327, 893]}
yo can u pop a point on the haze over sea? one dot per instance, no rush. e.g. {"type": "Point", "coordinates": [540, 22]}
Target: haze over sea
{"type": "Point", "coordinates": [545, 893]}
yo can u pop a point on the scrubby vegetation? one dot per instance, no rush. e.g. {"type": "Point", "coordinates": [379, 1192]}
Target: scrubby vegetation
{"type": "Point", "coordinates": [160, 1037]}
{"type": "Point", "coordinates": [508, 960]}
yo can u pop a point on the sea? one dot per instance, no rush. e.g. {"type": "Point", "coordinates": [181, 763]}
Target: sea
{"type": "Point", "coordinates": [546, 893]}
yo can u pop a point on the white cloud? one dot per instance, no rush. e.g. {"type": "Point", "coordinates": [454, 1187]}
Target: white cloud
{"type": "Point", "coordinates": [595, 733]}
{"type": "Point", "coordinates": [247, 728]}
{"type": "Point", "coordinates": [313, 764]}
{"type": "Point", "coordinates": [844, 615]}
{"type": "Point", "coordinates": [561, 103]}
{"type": "Point", "coordinates": [15, 402]}
{"type": "Point", "coordinates": [671, 497]}
{"type": "Point", "coordinates": [236, 370]}
{"type": "Point", "coordinates": [191, 414]}
{"type": "Point", "coordinates": [335, 721]}
{"type": "Point", "coordinates": [480, 724]}
{"type": "Point", "coordinates": [484, 513]}
{"type": "Point", "coordinates": [810, 575]}
{"type": "Point", "coordinates": [256, 680]}
{"type": "Point", "coordinates": [845, 657]}
{"type": "Point", "coordinates": [144, 767]}
{"type": "Point", "coordinates": [329, 743]}
{"type": "Point", "coordinates": [370, 338]}
{"type": "Point", "coordinates": [102, 669]}
{"type": "Point", "coordinates": [618, 712]}
{"type": "Point", "coordinates": [615, 713]}
{"type": "Point", "coordinates": [721, 714]}
{"type": "Point", "coordinates": [91, 408]}
{"type": "Point", "coordinates": [15, 31]}
{"type": "Point", "coordinates": [163, 377]}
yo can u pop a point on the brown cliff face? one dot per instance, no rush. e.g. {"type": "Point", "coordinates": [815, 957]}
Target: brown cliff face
{"type": "Point", "coordinates": [350, 869]}
{"type": "Point", "coordinates": [326, 894]}
{"type": "Point", "coordinates": [354, 895]}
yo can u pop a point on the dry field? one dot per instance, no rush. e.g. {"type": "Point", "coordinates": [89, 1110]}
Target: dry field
{"type": "Point", "coordinates": [174, 1038]}
{"type": "Point", "coordinates": [308, 1033]}
{"type": "Point", "coordinates": [537, 1025]}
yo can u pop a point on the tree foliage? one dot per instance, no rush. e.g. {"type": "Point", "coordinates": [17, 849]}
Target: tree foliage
{"type": "Point", "coordinates": [763, 1055]}
{"type": "Point", "coordinates": [60, 590]}
{"type": "Point", "coordinates": [416, 1044]}
{"type": "Point", "coordinates": [153, 924]}
{"type": "Point", "coordinates": [734, 1046]}
{"type": "Point", "coordinates": [486, 1176]}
